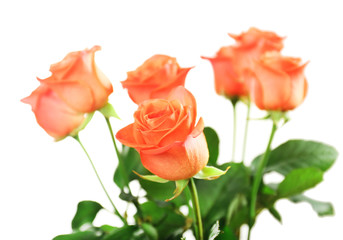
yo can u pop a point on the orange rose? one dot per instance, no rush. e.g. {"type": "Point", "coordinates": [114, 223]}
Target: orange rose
{"type": "Point", "coordinates": [54, 115]}
{"type": "Point", "coordinates": [164, 133]}
{"type": "Point", "coordinates": [231, 63]}
{"type": "Point", "coordinates": [277, 82]}
{"type": "Point", "coordinates": [155, 78]}
{"type": "Point", "coordinates": [75, 87]}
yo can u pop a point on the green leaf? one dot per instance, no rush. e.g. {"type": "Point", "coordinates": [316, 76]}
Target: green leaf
{"type": "Point", "coordinates": [108, 111]}
{"type": "Point", "coordinates": [85, 214]}
{"type": "Point", "coordinates": [180, 186]}
{"type": "Point", "coordinates": [131, 161]}
{"type": "Point", "coordinates": [214, 231]}
{"type": "Point", "coordinates": [236, 215]}
{"type": "Point", "coordinates": [150, 231]}
{"type": "Point", "coordinates": [216, 196]}
{"type": "Point", "coordinates": [88, 235]}
{"type": "Point", "coordinates": [107, 228]}
{"type": "Point", "coordinates": [123, 233]}
{"type": "Point", "coordinates": [161, 192]}
{"type": "Point", "coordinates": [275, 213]}
{"type": "Point", "coordinates": [210, 173]}
{"type": "Point", "coordinates": [321, 208]}
{"type": "Point", "coordinates": [227, 234]}
{"type": "Point", "coordinates": [299, 154]}
{"type": "Point", "coordinates": [165, 217]}
{"type": "Point", "coordinates": [299, 180]}
{"type": "Point", "coordinates": [152, 178]}
{"type": "Point", "coordinates": [212, 144]}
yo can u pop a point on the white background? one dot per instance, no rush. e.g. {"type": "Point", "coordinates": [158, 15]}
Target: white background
{"type": "Point", "coordinates": [42, 181]}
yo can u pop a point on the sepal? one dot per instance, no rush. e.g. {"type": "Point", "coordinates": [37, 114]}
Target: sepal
{"type": "Point", "coordinates": [180, 186]}
{"type": "Point", "coordinates": [108, 111]}
{"type": "Point", "coordinates": [210, 173]}
{"type": "Point", "coordinates": [76, 131]}
{"type": "Point", "coordinates": [152, 178]}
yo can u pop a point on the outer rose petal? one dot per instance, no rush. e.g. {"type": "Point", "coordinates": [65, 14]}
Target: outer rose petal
{"type": "Point", "coordinates": [272, 89]}
{"type": "Point", "coordinates": [77, 95]}
{"type": "Point", "coordinates": [299, 88]}
{"type": "Point", "coordinates": [52, 114]}
{"type": "Point", "coordinates": [226, 79]}
{"type": "Point", "coordinates": [128, 137]}
{"type": "Point", "coordinates": [163, 90]}
{"type": "Point", "coordinates": [154, 78]}
{"type": "Point", "coordinates": [180, 161]}
{"type": "Point", "coordinates": [138, 93]}
{"type": "Point", "coordinates": [79, 67]}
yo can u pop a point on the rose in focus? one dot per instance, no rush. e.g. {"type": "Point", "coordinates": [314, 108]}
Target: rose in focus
{"type": "Point", "coordinates": [75, 87]}
{"type": "Point", "coordinates": [278, 83]}
{"type": "Point", "coordinates": [164, 133]}
{"type": "Point", "coordinates": [232, 62]}
{"type": "Point", "coordinates": [155, 78]}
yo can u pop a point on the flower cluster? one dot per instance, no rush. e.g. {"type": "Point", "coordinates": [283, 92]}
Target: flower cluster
{"type": "Point", "coordinates": [171, 141]}
{"type": "Point", "coordinates": [254, 68]}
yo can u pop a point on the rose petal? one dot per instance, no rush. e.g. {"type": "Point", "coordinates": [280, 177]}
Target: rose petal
{"type": "Point", "coordinates": [163, 90]}
{"type": "Point", "coordinates": [180, 161]}
{"type": "Point", "coordinates": [79, 67]}
{"type": "Point", "coordinates": [299, 88]}
{"type": "Point", "coordinates": [52, 114]}
{"type": "Point", "coordinates": [128, 137]}
{"type": "Point", "coordinates": [77, 95]}
{"type": "Point", "coordinates": [272, 88]}
{"type": "Point", "coordinates": [187, 99]}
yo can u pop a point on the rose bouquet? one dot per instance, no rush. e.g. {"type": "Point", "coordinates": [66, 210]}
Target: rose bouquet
{"type": "Point", "coordinates": [171, 153]}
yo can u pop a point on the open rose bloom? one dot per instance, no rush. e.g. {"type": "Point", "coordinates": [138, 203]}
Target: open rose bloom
{"type": "Point", "coordinates": [155, 78]}
{"type": "Point", "coordinates": [231, 62]}
{"type": "Point", "coordinates": [278, 83]}
{"type": "Point", "coordinates": [76, 87]}
{"type": "Point", "coordinates": [164, 132]}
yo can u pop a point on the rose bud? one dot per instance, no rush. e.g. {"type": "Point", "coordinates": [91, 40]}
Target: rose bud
{"type": "Point", "coordinates": [231, 63]}
{"type": "Point", "coordinates": [164, 133]}
{"type": "Point", "coordinates": [75, 87]}
{"type": "Point", "coordinates": [278, 83]}
{"type": "Point", "coordinates": [155, 78]}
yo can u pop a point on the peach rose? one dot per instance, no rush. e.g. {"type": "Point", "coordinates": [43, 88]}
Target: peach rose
{"type": "Point", "coordinates": [75, 87]}
{"type": "Point", "coordinates": [164, 132]}
{"type": "Point", "coordinates": [54, 115]}
{"type": "Point", "coordinates": [277, 82]}
{"type": "Point", "coordinates": [154, 78]}
{"type": "Point", "coordinates": [231, 63]}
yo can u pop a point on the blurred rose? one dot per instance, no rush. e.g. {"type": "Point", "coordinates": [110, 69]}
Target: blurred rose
{"type": "Point", "coordinates": [155, 78]}
{"type": "Point", "coordinates": [164, 133]}
{"type": "Point", "coordinates": [231, 63]}
{"type": "Point", "coordinates": [277, 82]}
{"type": "Point", "coordinates": [75, 87]}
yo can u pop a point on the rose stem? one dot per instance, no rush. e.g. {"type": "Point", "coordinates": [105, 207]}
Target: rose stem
{"type": "Point", "coordinates": [246, 130]}
{"type": "Point", "coordinates": [196, 209]}
{"type": "Point", "coordinates": [121, 165]}
{"type": "Point", "coordinates": [257, 180]}
{"type": "Point", "coordinates": [234, 102]}
{"type": "Point", "coordinates": [102, 185]}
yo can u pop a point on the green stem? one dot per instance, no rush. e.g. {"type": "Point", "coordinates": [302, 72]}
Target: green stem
{"type": "Point", "coordinates": [246, 131]}
{"type": "Point", "coordinates": [196, 209]}
{"type": "Point", "coordinates": [102, 185]}
{"type": "Point", "coordinates": [120, 160]}
{"type": "Point", "coordinates": [257, 179]}
{"type": "Point", "coordinates": [122, 167]}
{"type": "Point", "coordinates": [234, 128]}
